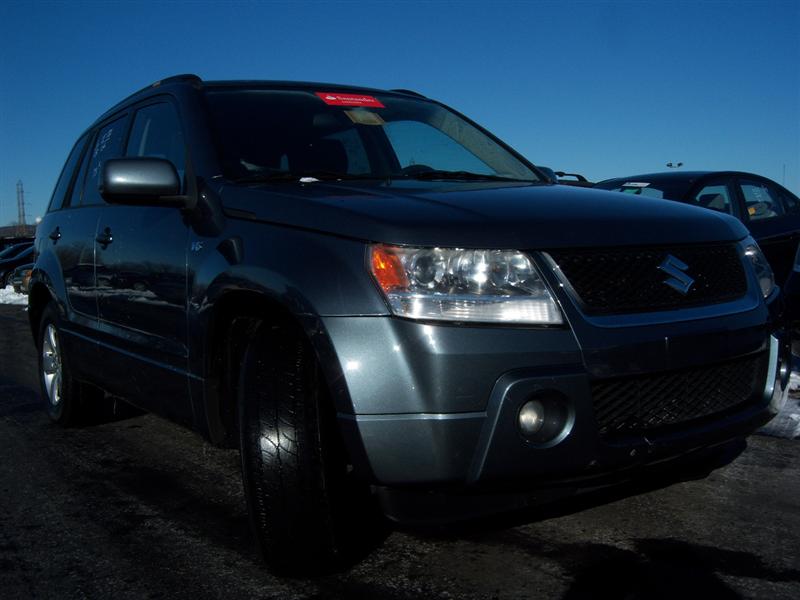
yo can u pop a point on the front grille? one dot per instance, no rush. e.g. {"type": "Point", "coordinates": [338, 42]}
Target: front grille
{"type": "Point", "coordinates": [646, 402]}
{"type": "Point", "coordinates": [628, 280]}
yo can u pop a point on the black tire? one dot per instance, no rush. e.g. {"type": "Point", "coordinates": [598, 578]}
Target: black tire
{"type": "Point", "coordinates": [68, 402]}
{"type": "Point", "coordinates": [301, 501]}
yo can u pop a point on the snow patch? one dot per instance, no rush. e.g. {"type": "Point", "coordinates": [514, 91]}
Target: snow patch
{"type": "Point", "coordinates": [787, 423]}
{"type": "Point", "coordinates": [9, 296]}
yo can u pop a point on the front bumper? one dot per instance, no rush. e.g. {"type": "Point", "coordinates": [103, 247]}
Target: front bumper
{"type": "Point", "coordinates": [435, 406]}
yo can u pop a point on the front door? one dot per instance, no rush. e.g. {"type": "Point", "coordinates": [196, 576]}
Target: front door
{"type": "Point", "coordinates": [141, 281]}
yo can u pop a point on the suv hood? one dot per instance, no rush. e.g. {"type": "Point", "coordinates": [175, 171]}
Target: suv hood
{"type": "Point", "coordinates": [479, 214]}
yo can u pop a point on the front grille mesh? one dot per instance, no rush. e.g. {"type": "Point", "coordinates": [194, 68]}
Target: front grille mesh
{"type": "Point", "coordinates": [628, 280]}
{"type": "Point", "coordinates": [647, 402]}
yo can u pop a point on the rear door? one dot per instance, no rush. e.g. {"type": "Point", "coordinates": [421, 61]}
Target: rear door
{"type": "Point", "coordinates": [66, 245]}
{"type": "Point", "coordinates": [772, 222]}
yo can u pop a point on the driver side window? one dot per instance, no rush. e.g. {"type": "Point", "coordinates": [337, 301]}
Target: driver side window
{"type": "Point", "coordinates": [714, 197]}
{"type": "Point", "coordinates": [157, 133]}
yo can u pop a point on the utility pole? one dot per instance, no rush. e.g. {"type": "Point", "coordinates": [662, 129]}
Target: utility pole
{"type": "Point", "coordinates": [21, 208]}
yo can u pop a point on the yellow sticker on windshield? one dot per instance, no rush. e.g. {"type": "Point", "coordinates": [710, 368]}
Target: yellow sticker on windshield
{"type": "Point", "coordinates": [364, 117]}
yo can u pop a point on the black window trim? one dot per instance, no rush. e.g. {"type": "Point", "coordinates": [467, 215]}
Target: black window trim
{"type": "Point", "coordinates": [88, 137]}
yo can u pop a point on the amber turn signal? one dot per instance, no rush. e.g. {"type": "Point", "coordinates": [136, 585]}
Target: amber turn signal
{"type": "Point", "coordinates": [387, 269]}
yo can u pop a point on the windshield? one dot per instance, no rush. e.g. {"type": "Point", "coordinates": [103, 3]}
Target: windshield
{"type": "Point", "coordinates": [288, 134]}
{"type": "Point", "coordinates": [641, 186]}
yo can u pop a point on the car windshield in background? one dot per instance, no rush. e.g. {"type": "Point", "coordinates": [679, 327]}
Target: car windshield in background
{"type": "Point", "coordinates": [651, 188]}
{"type": "Point", "coordinates": [13, 251]}
{"type": "Point", "coordinates": [285, 135]}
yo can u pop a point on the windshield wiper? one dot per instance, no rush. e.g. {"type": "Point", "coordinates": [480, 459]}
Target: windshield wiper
{"type": "Point", "coordinates": [260, 177]}
{"type": "Point", "coordinates": [460, 176]}
{"type": "Point", "coordinates": [318, 175]}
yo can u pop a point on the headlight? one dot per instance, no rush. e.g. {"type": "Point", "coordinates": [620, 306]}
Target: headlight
{"type": "Point", "coordinates": [760, 265]}
{"type": "Point", "coordinates": [488, 286]}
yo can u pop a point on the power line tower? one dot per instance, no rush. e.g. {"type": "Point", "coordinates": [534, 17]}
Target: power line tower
{"type": "Point", "coordinates": [21, 208]}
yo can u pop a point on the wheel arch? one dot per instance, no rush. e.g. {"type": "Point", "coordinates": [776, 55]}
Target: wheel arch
{"type": "Point", "coordinates": [46, 285]}
{"type": "Point", "coordinates": [39, 296]}
{"type": "Point", "coordinates": [229, 327]}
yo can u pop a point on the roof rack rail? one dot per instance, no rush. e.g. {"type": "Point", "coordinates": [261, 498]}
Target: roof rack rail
{"type": "Point", "coordinates": [187, 77]}
{"type": "Point", "coordinates": [577, 176]}
{"type": "Point", "coordinates": [409, 92]}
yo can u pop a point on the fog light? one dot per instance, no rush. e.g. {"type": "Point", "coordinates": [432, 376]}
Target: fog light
{"type": "Point", "coordinates": [545, 419]}
{"type": "Point", "coordinates": [531, 417]}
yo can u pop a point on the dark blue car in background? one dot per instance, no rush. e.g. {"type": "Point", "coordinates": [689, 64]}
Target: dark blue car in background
{"type": "Point", "coordinates": [769, 211]}
{"type": "Point", "coordinates": [13, 257]}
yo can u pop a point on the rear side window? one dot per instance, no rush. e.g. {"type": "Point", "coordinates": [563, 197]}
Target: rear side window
{"type": "Point", "coordinates": [716, 197]}
{"type": "Point", "coordinates": [157, 133]}
{"type": "Point", "coordinates": [791, 203]}
{"type": "Point", "coordinates": [760, 200]}
{"type": "Point", "coordinates": [107, 144]}
{"type": "Point", "coordinates": [77, 186]}
{"type": "Point", "coordinates": [67, 176]}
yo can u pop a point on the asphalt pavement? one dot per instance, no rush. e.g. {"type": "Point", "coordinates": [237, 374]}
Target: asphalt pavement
{"type": "Point", "coordinates": [140, 508]}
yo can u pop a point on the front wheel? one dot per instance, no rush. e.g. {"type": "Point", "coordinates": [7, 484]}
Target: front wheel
{"type": "Point", "coordinates": [305, 510]}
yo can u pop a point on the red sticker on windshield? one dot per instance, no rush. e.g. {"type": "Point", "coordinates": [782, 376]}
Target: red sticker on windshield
{"type": "Point", "coordinates": [336, 99]}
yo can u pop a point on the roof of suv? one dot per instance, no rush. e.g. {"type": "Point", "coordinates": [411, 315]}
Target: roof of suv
{"type": "Point", "coordinates": [676, 175]}
{"type": "Point", "coordinates": [195, 80]}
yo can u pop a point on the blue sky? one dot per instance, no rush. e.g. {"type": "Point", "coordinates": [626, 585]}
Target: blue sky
{"type": "Point", "coordinates": [603, 88]}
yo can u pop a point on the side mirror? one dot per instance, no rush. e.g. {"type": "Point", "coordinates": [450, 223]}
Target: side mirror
{"type": "Point", "coordinates": [141, 181]}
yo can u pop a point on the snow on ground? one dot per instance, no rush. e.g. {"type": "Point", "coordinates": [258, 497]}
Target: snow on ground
{"type": "Point", "coordinates": [9, 296]}
{"type": "Point", "coordinates": [787, 423]}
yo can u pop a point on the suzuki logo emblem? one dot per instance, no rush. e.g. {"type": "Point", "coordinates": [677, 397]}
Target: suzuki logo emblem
{"type": "Point", "coordinates": [678, 279]}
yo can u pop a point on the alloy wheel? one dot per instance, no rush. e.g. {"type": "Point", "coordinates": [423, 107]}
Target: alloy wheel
{"type": "Point", "coordinates": [51, 365]}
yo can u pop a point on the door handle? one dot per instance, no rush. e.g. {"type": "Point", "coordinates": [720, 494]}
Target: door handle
{"type": "Point", "coordinates": [55, 235]}
{"type": "Point", "coordinates": [105, 238]}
